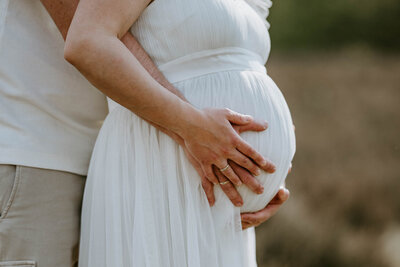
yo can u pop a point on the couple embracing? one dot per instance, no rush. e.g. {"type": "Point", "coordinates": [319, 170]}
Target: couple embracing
{"type": "Point", "coordinates": [193, 152]}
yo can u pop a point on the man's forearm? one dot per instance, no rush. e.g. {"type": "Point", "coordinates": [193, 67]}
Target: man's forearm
{"type": "Point", "coordinates": [137, 50]}
{"type": "Point", "coordinates": [63, 11]}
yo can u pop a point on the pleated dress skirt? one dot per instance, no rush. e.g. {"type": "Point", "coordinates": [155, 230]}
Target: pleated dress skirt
{"type": "Point", "coordinates": [144, 205]}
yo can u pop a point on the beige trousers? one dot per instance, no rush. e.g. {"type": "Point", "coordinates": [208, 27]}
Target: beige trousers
{"type": "Point", "coordinates": [40, 217]}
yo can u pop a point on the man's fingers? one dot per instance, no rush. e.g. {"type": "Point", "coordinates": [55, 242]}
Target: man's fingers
{"type": "Point", "coordinates": [246, 225]}
{"type": "Point", "coordinates": [263, 215]}
{"type": "Point", "coordinates": [229, 189]}
{"type": "Point", "coordinates": [255, 126]}
{"type": "Point", "coordinates": [194, 162]}
{"type": "Point", "coordinates": [260, 216]}
{"type": "Point", "coordinates": [247, 179]}
{"type": "Point", "coordinates": [210, 174]}
{"type": "Point", "coordinates": [280, 197]}
{"type": "Point", "coordinates": [208, 188]}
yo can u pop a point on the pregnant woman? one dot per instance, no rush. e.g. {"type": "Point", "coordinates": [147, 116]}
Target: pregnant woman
{"type": "Point", "coordinates": [144, 204]}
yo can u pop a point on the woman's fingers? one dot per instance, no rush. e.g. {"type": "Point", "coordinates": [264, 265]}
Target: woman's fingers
{"type": "Point", "coordinates": [246, 177]}
{"type": "Point", "coordinates": [227, 171]}
{"type": "Point", "coordinates": [251, 153]}
{"type": "Point", "coordinates": [237, 118]}
{"type": "Point", "coordinates": [255, 126]}
{"type": "Point", "coordinates": [247, 123]}
{"type": "Point", "coordinates": [228, 188]}
{"type": "Point", "coordinates": [216, 142]}
{"type": "Point", "coordinates": [246, 163]}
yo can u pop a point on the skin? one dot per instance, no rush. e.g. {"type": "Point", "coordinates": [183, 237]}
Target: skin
{"type": "Point", "coordinates": [207, 133]}
{"type": "Point", "coordinates": [87, 34]}
{"type": "Point", "coordinates": [257, 218]}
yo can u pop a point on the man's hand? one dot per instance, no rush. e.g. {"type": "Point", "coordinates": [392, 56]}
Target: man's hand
{"type": "Point", "coordinates": [256, 218]}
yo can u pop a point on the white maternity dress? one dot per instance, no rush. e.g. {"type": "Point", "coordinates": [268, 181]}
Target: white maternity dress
{"type": "Point", "coordinates": [144, 205]}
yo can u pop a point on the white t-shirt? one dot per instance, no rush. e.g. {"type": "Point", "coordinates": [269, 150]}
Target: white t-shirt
{"type": "Point", "coordinates": [50, 114]}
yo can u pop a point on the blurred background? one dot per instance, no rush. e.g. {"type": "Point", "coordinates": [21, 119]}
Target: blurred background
{"type": "Point", "coordinates": [338, 65]}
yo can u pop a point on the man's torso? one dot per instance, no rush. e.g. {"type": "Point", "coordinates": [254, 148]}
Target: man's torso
{"type": "Point", "coordinates": [49, 113]}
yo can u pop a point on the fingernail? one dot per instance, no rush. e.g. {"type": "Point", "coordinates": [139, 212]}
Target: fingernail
{"type": "Point", "coordinates": [261, 190]}
{"type": "Point", "coordinates": [286, 190]}
{"type": "Point", "coordinates": [238, 204]}
{"type": "Point", "coordinates": [271, 169]}
{"type": "Point", "coordinates": [239, 183]}
{"type": "Point", "coordinates": [258, 172]}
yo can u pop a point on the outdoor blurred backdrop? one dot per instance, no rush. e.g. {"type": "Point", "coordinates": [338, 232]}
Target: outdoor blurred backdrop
{"type": "Point", "coordinates": [338, 65]}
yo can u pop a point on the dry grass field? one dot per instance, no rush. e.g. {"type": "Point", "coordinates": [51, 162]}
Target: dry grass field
{"type": "Point", "coordinates": [344, 208]}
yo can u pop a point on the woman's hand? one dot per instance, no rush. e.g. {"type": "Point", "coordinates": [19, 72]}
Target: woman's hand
{"type": "Point", "coordinates": [245, 176]}
{"type": "Point", "coordinates": [212, 140]}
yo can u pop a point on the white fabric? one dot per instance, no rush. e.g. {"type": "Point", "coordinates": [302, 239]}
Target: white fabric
{"type": "Point", "coordinates": [144, 204]}
{"type": "Point", "coordinates": [50, 115]}
{"type": "Point", "coordinates": [3, 13]}
{"type": "Point", "coordinates": [261, 7]}
{"type": "Point", "coordinates": [211, 61]}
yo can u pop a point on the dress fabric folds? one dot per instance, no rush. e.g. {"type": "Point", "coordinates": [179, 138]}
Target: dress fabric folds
{"type": "Point", "coordinates": [144, 204]}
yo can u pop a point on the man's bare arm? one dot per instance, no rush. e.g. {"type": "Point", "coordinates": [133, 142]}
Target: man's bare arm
{"type": "Point", "coordinates": [133, 45]}
{"type": "Point", "coordinates": [62, 12]}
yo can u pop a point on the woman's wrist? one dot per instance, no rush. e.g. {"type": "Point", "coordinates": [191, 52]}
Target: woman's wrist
{"type": "Point", "coordinates": [189, 119]}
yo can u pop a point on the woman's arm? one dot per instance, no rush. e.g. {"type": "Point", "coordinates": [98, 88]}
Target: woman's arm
{"type": "Point", "coordinates": [62, 12]}
{"type": "Point", "coordinates": [94, 47]}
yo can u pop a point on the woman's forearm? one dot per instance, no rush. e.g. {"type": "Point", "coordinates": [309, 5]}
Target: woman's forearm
{"type": "Point", "coordinates": [113, 69]}
{"type": "Point", "coordinates": [62, 12]}
{"type": "Point", "coordinates": [108, 64]}
{"type": "Point", "coordinates": [94, 47]}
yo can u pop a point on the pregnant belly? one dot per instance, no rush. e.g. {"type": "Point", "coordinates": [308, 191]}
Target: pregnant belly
{"type": "Point", "coordinates": [255, 94]}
